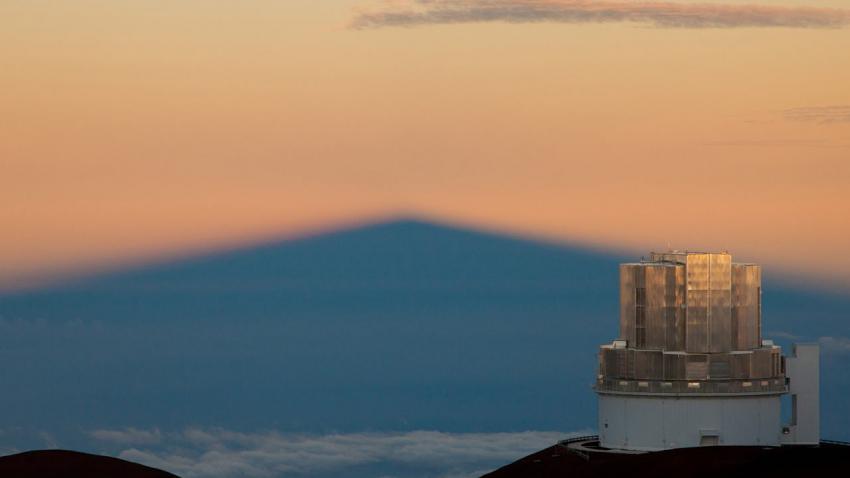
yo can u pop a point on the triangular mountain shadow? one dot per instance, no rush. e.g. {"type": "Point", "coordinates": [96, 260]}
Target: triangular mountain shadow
{"type": "Point", "coordinates": [392, 326]}
{"type": "Point", "coordinates": [396, 265]}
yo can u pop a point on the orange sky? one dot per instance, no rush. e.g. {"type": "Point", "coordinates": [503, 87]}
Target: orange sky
{"type": "Point", "coordinates": [144, 128]}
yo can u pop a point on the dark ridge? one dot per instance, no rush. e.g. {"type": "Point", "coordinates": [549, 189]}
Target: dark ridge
{"type": "Point", "coordinates": [72, 464]}
{"type": "Point", "coordinates": [705, 462]}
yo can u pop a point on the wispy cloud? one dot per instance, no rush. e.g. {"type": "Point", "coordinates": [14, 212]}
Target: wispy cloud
{"type": "Point", "coordinates": [779, 334]}
{"type": "Point", "coordinates": [195, 453]}
{"type": "Point", "coordinates": [820, 114]}
{"type": "Point", "coordinates": [128, 436]}
{"type": "Point", "coordinates": [805, 143]}
{"type": "Point", "coordinates": [835, 345]}
{"type": "Point", "coordinates": [829, 345]}
{"type": "Point", "coordinates": [665, 14]}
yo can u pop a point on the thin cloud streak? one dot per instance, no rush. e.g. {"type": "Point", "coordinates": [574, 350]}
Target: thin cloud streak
{"type": "Point", "coordinates": [835, 345]}
{"type": "Point", "coordinates": [411, 13]}
{"type": "Point", "coordinates": [820, 114]}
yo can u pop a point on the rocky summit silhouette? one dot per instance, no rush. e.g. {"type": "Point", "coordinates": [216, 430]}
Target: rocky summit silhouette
{"type": "Point", "coordinates": [71, 464]}
{"type": "Point", "coordinates": [829, 459]}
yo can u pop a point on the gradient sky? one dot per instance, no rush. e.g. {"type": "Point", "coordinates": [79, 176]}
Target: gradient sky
{"type": "Point", "coordinates": [144, 128]}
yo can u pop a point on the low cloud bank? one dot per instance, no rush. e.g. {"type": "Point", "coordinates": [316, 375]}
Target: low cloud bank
{"type": "Point", "coordinates": [212, 453]}
{"type": "Point", "coordinates": [664, 14]}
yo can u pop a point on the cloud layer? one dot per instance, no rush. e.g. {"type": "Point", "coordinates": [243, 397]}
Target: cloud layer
{"type": "Point", "coordinates": [196, 453]}
{"type": "Point", "coordinates": [830, 345]}
{"type": "Point", "coordinates": [820, 114]}
{"type": "Point", "coordinates": [665, 14]}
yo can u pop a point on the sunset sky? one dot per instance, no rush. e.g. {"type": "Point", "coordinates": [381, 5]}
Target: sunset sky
{"type": "Point", "coordinates": [139, 129]}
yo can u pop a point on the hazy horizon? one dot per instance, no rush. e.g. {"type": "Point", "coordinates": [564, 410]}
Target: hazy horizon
{"type": "Point", "coordinates": [145, 129]}
{"type": "Point", "coordinates": [287, 238]}
{"type": "Point", "coordinates": [51, 278]}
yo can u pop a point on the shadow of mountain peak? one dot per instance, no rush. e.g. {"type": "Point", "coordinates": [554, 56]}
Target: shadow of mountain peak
{"type": "Point", "coordinates": [389, 325]}
{"type": "Point", "coordinates": [372, 268]}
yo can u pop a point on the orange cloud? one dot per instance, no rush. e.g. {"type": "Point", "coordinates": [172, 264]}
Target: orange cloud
{"type": "Point", "coordinates": [658, 14]}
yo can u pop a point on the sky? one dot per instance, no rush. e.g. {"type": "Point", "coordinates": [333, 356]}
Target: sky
{"type": "Point", "coordinates": [148, 128]}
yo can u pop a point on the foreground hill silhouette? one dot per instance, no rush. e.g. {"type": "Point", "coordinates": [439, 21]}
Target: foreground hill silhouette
{"type": "Point", "coordinates": [71, 464]}
{"type": "Point", "coordinates": [402, 325]}
{"type": "Point", "coordinates": [706, 462]}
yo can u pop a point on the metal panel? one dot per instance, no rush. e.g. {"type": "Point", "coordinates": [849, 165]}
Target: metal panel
{"type": "Point", "coordinates": [719, 366]}
{"type": "Point", "coordinates": [739, 364]}
{"type": "Point", "coordinates": [627, 302]}
{"type": "Point", "coordinates": [608, 362]}
{"type": "Point", "coordinates": [746, 286]}
{"type": "Point", "coordinates": [649, 365]}
{"type": "Point", "coordinates": [697, 269]}
{"type": "Point", "coordinates": [674, 313]}
{"type": "Point", "coordinates": [613, 362]}
{"type": "Point", "coordinates": [720, 321]}
{"type": "Point", "coordinates": [756, 279]}
{"type": "Point", "coordinates": [681, 304]}
{"type": "Point", "coordinates": [674, 366]}
{"type": "Point", "coordinates": [697, 302]}
{"type": "Point", "coordinates": [697, 367]}
{"type": "Point", "coordinates": [762, 364]}
{"type": "Point", "coordinates": [697, 321]}
{"type": "Point", "coordinates": [720, 269]}
{"type": "Point", "coordinates": [656, 304]}
{"type": "Point", "coordinates": [720, 307]}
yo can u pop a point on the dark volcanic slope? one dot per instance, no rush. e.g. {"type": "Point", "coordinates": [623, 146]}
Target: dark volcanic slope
{"type": "Point", "coordinates": [71, 464]}
{"type": "Point", "coordinates": [556, 461]}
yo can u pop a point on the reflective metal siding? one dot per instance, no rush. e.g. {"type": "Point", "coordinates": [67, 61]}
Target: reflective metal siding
{"type": "Point", "coordinates": [674, 313]}
{"type": "Point", "coordinates": [739, 364]}
{"type": "Point", "coordinates": [720, 271]}
{"type": "Point", "coordinates": [719, 366]}
{"type": "Point", "coordinates": [697, 269]}
{"type": "Point", "coordinates": [776, 360]}
{"type": "Point", "coordinates": [762, 364]}
{"type": "Point", "coordinates": [649, 365]}
{"type": "Point", "coordinates": [746, 284]}
{"type": "Point", "coordinates": [697, 302]}
{"type": "Point", "coordinates": [720, 297]}
{"type": "Point", "coordinates": [756, 271]}
{"type": "Point", "coordinates": [720, 321]}
{"type": "Point", "coordinates": [740, 307]}
{"type": "Point", "coordinates": [696, 367]}
{"type": "Point", "coordinates": [697, 322]}
{"type": "Point", "coordinates": [613, 363]}
{"type": "Point", "coordinates": [608, 362]}
{"type": "Point", "coordinates": [627, 302]}
{"type": "Point", "coordinates": [675, 366]}
{"type": "Point", "coordinates": [656, 305]}
{"type": "Point", "coordinates": [630, 363]}
{"type": "Point", "coordinates": [681, 310]}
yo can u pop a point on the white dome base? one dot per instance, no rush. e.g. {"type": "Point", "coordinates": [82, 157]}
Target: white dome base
{"type": "Point", "coordinates": [656, 422]}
